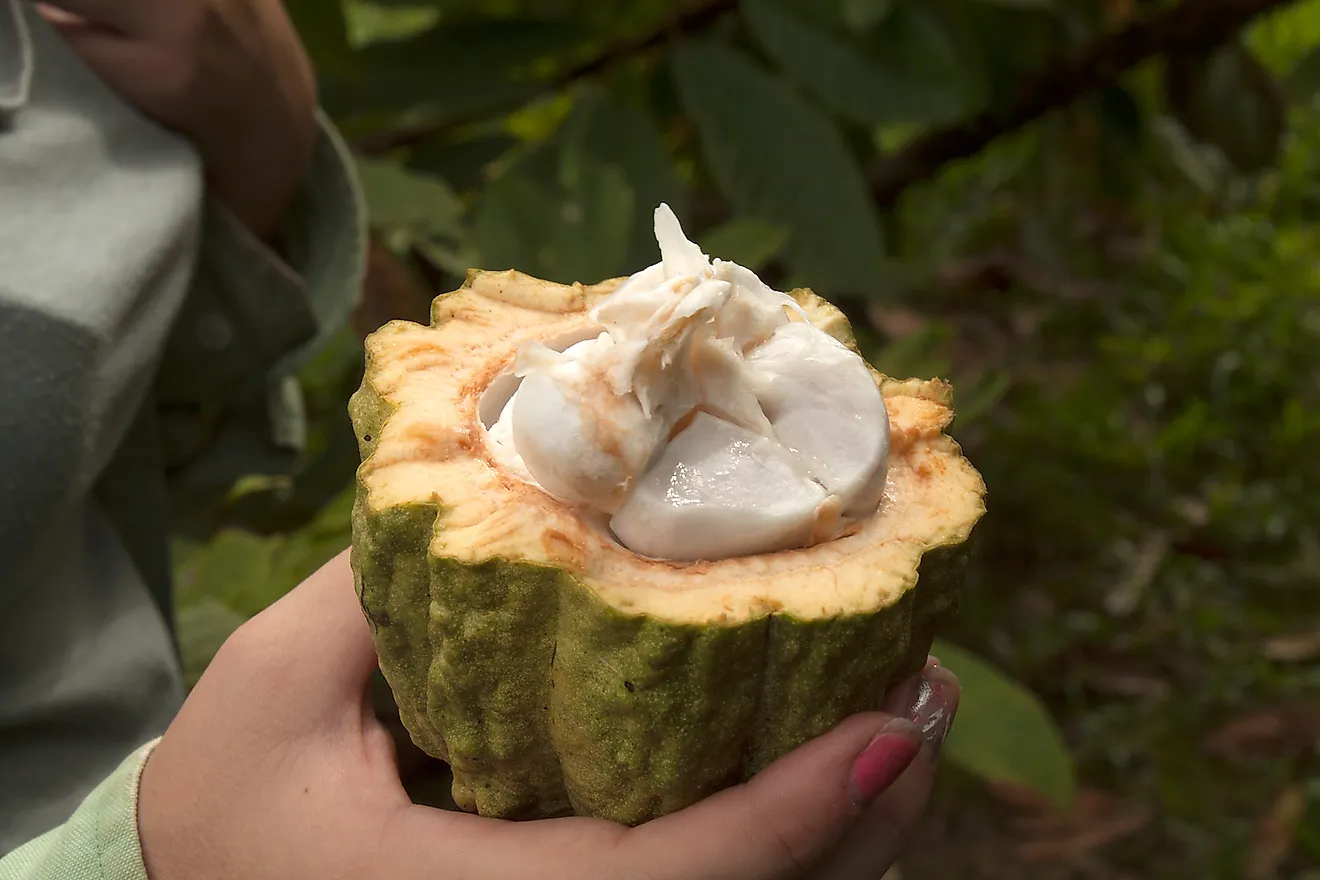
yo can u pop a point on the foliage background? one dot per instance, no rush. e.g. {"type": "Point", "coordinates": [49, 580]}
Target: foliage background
{"type": "Point", "coordinates": [1125, 292]}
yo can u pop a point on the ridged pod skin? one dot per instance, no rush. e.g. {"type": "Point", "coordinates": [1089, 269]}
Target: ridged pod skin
{"type": "Point", "coordinates": [559, 673]}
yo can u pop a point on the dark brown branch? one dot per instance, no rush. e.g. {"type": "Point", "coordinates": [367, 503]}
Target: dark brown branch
{"type": "Point", "coordinates": [1190, 26]}
{"type": "Point", "coordinates": [694, 21]}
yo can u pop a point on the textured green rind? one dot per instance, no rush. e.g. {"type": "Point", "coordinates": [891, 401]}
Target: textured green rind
{"type": "Point", "coordinates": [547, 700]}
{"type": "Point", "coordinates": [368, 412]}
{"type": "Point", "coordinates": [649, 716]}
{"type": "Point", "coordinates": [936, 598]}
{"type": "Point", "coordinates": [818, 672]}
{"type": "Point", "coordinates": [492, 631]}
{"type": "Point", "coordinates": [389, 558]}
{"type": "Point", "coordinates": [390, 571]}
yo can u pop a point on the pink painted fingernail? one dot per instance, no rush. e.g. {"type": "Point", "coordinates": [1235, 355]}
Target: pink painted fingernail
{"type": "Point", "coordinates": [935, 704]}
{"type": "Point", "coordinates": [884, 759]}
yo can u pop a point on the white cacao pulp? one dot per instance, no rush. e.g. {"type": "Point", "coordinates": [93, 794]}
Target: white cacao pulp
{"type": "Point", "coordinates": [708, 419]}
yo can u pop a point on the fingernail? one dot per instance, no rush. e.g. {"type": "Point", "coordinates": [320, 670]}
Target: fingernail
{"type": "Point", "coordinates": [901, 697]}
{"type": "Point", "coordinates": [935, 704]}
{"type": "Point", "coordinates": [884, 759]}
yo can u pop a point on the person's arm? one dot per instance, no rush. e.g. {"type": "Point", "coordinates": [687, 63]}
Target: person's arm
{"type": "Point", "coordinates": [277, 768]}
{"type": "Point", "coordinates": [99, 842]}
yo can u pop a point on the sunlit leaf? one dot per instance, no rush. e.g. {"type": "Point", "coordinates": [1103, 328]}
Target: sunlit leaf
{"type": "Point", "coordinates": [369, 23]}
{"type": "Point", "coordinates": [1003, 733]}
{"type": "Point", "coordinates": [1285, 34]}
{"type": "Point", "coordinates": [781, 161]}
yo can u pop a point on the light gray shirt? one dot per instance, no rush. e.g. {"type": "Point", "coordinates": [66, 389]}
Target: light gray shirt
{"type": "Point", "coordinates": [147, 343]}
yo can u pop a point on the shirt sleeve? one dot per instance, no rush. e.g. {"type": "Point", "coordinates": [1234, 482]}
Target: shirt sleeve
{"type": "Point", "coordinates": [229, 401]}
{"type": "Point", "coordinates": [99, 842]}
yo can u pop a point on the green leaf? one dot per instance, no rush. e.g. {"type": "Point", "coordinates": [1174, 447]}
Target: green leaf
{"type": "Point", "coordinates": [1187, 157]}
{"type": "Point", "coordinates": [751, 243]}
{"type": "Point", "coordinates": [246, 573]}
{"type": "Point", "coordinates": [203, 627]}
{"type": "Point", "coordinates": [1227, 98]}
{"type": "Point", "coordinates": [462, 163]}
{"type": "Point", "coordinates": [579, 207]}
{"type": "Point", "coordinates": [906, 70]}
{"type": "Point", "coordinates": [462, 67]}
{"type": "Point", "coordinates": [302, 552]}
{"type": "Point", "coordinates": [1003, 733]}
{"type": "Point", "coordinates": [1285, 34]}
{"type": "Point", "coordinates": [324, 32]}
{"type": "Point", "coordinates": [451, 259]}
{"type": "Point", "coordinates": [611, 132]}
{"type": "Point", "coordinates": [982, 397]}
{"type": "Point", "coordinates": [862, 15]}
{"type": "Point", "coordinates": [234, 569]}
{"type": "Point", "coordinates": [779, 160]}
{"type": "Point", "coordinates": [369, 23]}
{"type": "Point", "coordinates": [997, 45]}
{"type": "Point", "coordinates": [401, 198]}
{"type": "Point", "coordinates": [574, 226]}
{"type": "Point", "coordinates": [1304, 80]}
{"type": "Point", "coordinates": [920, 353]}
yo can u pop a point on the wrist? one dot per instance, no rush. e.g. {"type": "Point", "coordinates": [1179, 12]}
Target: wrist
{"type": "Point", "coordinates": [144, 758]}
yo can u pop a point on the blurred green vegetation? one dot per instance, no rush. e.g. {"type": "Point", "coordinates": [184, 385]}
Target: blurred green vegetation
{"type": "Point", "coordinates": [1125, 293]}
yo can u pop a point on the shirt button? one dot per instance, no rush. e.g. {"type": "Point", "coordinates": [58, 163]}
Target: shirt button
{"type": "Point", "coordinates": [214, 332]}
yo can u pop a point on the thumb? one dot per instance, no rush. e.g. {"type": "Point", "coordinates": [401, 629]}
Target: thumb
{"type": "Point", "coordinates": [787, 818]}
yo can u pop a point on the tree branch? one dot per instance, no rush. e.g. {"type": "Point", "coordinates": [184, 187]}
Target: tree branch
{"type": "Point", "coordinates": [1190, 26]}
{"type": "Point", "coordinates": [696, 20]}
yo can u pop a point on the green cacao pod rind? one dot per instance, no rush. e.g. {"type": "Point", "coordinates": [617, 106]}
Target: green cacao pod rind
{"type": "Point", "coordinates": [557, 672]}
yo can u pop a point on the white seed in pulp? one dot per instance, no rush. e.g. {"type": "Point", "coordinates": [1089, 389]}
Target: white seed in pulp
{"type": "Point", "coordinates": [702, 419]}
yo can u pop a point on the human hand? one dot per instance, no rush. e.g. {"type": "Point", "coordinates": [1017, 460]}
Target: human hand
{"type": "Point", "coordinates": [230, 75]}
{"type": "Point", "coordinates": [276, 767]}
